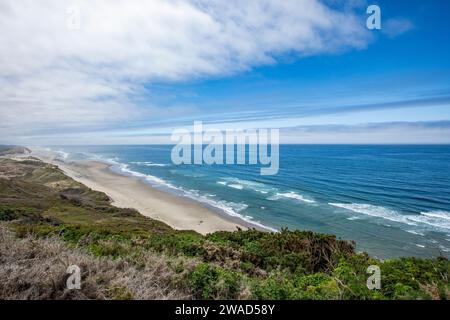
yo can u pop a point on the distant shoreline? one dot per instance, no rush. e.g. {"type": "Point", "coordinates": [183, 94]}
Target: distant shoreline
{"type": "Point", "coordinates": [130, 192]}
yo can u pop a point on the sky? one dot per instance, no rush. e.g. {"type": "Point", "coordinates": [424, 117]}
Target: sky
{"type": "Point", "coordinates": [131, 72]}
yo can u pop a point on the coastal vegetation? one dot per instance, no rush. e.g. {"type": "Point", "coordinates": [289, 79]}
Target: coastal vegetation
{"type": "Point", "coordinates": [49, 221]}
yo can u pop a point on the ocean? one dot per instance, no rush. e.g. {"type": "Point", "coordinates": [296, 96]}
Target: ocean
{"type": "Point", "coordinates": [393, 200]}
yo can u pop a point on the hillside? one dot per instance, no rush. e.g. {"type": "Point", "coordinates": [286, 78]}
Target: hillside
{"type": "Point", "coordinates": [9, 150]}
{"type": "Point", "coordinates": [50, 221]}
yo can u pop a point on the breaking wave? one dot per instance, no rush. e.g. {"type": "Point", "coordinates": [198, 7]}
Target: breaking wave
{"type": "Point", "coordinates": [435, 220]}
{"type": "Point", "coordinates": [150, 164]}
{"type": "Point", "coordinates": [290, 195]}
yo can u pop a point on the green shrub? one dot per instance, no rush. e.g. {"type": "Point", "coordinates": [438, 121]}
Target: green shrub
{"type": "Point", "coordinates": [275, 287]}
{"type": "Point", "coordinates": [120, 293]}
{"type": "Point", "coordinates": [185, 242]}
{"type": "Point", "coordinates": [298, 251]}
{"type": "Point", "coordinates": [212, 282]}
{"type": "Point", "coordinates": [405, 278]}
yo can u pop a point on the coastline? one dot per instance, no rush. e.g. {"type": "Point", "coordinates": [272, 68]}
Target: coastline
{"type": "Point", "coordinates": [63, 222]}
{"type": "Point", "coordinates": [130, 192]}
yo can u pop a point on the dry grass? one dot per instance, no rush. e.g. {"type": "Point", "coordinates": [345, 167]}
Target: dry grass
{"type": "Point", "coordinates": [35, 268]}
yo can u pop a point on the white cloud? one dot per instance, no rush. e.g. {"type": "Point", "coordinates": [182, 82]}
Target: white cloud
{"type": "Point", "coordinates": [54, 78]}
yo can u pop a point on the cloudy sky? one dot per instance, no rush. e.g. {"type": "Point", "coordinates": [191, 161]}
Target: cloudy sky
{"type": "Point", "coordinates": [131, 71]}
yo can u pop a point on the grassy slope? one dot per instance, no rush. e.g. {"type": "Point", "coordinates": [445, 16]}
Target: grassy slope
{"type": "Point", "coordinates": [38, 200]}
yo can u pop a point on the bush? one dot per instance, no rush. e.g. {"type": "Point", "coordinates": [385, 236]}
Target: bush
{"type": "Point", "coordinates": [275, 287]}
{"type": "Point", "coordinates": [212, 282]}
{"type": "Point", "coordinates": [298, 251]}
{"type": "Point", "coordinates": [186, 242]}
{"type": "Point", "coordinates": [405, 278]}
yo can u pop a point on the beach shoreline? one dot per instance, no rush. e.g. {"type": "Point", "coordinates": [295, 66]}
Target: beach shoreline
{"type": "Point", "coordinates": [126, 191]}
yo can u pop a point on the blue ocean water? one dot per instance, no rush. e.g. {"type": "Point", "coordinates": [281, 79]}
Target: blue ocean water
{"type": "Point", "coordinates": [392, 200]}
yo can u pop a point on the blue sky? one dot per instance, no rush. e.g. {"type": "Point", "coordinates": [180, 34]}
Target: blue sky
{"type": "Point", "coordinates": [329, 81]}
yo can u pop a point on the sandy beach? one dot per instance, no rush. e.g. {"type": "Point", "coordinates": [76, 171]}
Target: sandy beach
{"type": "Point", "coordinates": [130, 192]}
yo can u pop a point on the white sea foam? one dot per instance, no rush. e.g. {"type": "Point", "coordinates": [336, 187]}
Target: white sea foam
{"type": "Point", "coordinates": [114, 161]}
{"type": "Point", "coordinates": [147, 177]}
{"type": "Point", "coordinates": [290, 195]}
{"type": "Point", "coordinates": [262, 188]}
{"type": "Point", "coordinates": [420, 245]}
{"type": "Point", "coordinates": [374, 211]}
{"type": "Point", "coordinates": [437, 214]}
{"type": "Point", "coordinates": [415, 232]}
{"type": "Point", "coordinates": [439, 220]}
{"type": "Point", "coordinates": [62, 155]}
{"type": "Point", "coordinates": [230, 208]}
{"type": "Point", "coordinates": [150, 164]}
{"type": "Point", "coordinates": [435, 220]}
{"type": "Point", "coordinates": [247, 184]}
